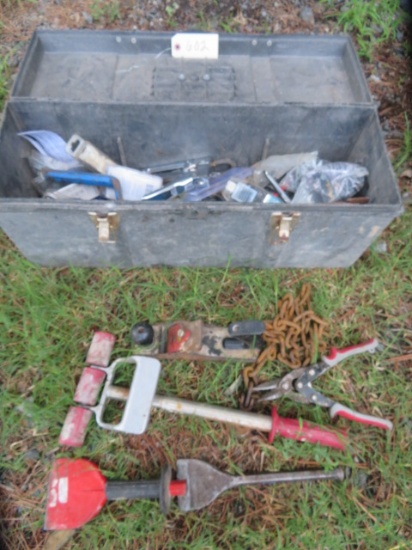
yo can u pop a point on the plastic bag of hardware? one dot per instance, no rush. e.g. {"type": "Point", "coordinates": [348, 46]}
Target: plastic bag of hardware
{"type": "Point", "coordinates": [327, 182]}
{"type": "Point", "coordinates": [290, 182]}
{"type": "Point", "coordinates": [279, 165]}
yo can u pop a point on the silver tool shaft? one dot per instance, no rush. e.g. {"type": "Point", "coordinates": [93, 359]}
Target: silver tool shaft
{"type": "Point", "coordinates": [278, 188]}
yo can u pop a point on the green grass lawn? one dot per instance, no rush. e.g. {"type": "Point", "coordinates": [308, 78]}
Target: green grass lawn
{"type": "Point", "coordinates": [48, 317]}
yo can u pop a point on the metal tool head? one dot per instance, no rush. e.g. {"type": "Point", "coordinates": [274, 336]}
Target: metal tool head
{"type": "Point", "coordinates": [203, 484]}
{"type": "Point", "coordinates": [280, 387]}
{"type": "Point", "coordinates": [137, 399]}
{"type": "Point", "coordinates": [246, 328]}
{"type": "Point", "coordinates": [169, 191]}
{"type": "Point", "coordinates": [197, 167]}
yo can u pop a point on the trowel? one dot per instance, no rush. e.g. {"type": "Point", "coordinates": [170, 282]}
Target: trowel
{"type": "Point", "coordinates": [78, 490]}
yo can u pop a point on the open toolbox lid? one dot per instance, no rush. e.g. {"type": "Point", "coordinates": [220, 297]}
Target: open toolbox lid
{"type": "Point", "coordinates": [132, 67]}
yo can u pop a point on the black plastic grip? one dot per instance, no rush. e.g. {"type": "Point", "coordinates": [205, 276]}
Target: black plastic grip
{"type": "Point", "coordinates": [246, 328]}
{"type": "Point", "coordinates": [118, 490]}
{"type": "Point", "coordinates": [152, 489]}
{"type": "Point", "coordinates": [142, 333]}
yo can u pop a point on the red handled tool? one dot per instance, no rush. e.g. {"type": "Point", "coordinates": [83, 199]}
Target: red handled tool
{"type": "Point", "coordinates": [78, 490]}
{"type": "Point", "coordinates": [297, 385]}
{"type": "Point", "coordinates": [141, 396]}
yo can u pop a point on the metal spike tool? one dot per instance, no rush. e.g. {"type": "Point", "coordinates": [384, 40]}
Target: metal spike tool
{"type": "Point", "coordinates": [78, 490]}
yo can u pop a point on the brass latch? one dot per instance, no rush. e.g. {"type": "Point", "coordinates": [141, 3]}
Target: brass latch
{"type": "Point", "coordinates": [107, 226]}
{"type": "Point", "coordinates": [282, 224]}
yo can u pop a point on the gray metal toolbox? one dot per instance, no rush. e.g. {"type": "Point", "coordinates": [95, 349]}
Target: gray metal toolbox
{"type": "Point", "coordinates": [301, 93]}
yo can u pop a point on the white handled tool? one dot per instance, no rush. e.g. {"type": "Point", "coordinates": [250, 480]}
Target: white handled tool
{"type": "Point", "coordinates": [140, 397]}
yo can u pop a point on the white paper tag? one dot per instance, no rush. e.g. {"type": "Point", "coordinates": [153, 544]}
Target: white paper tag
{"type": "Point", "coordinates": [195, 45]}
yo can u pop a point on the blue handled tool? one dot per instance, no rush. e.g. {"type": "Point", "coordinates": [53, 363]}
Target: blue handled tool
{"type": "Point", "coordinates": [86, 178]}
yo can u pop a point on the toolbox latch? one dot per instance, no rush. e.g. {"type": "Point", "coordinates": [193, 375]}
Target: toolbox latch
{"type": "Point", "coordinates": [282, 224]}
{"type": "Point", "coordinates": [107, 226]}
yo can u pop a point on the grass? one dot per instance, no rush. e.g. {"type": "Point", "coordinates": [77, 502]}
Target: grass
{"type": "Point", "coordinates": [103, 10]}
{"type": "Point", "coordinates": [372, 23]}
{"type": "Point", "coordinates": [406, 151]}
{"type": "Point", "coordinates": [171, 11]}
{"type": "Point", "coordinates": [4, 80]}
{"type": "Point", "coordinates": [9, 3]}
{"type": "Point", "coordinates": [48, 316]}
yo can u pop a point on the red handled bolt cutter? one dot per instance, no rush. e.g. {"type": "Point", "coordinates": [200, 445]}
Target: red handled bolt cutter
{"type": "Point", "coordinates": [297, 385]}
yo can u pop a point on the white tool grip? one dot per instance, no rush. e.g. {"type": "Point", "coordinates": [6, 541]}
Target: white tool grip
{"type": "Point", "coordinates": [213, 412]}
{"type": "Point", "coordinates": [345, 412]}
{"type": "Point", "coordinates": [85, 151]}
{"type": "Point", "coordinates": [138, 397]}
{"type": "Point", "coordinates": [337, 355]}
{"type": "Point", "coordinates": [134, 184]}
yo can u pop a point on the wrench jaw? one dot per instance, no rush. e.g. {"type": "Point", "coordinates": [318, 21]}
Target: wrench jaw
{"type": "Point", "coordinates": [282, 387]}
{"type": "Point", "coordinates": [138, 398]}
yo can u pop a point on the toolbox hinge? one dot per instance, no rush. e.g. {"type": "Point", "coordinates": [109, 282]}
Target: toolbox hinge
{"type": "Point", "coordinates": [107, 226]}
{"type": "Point", "coordinates": [282, 224]}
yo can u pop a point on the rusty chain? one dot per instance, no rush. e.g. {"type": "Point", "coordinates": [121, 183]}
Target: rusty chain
{"type": "Point", "coordinates": [294, 338]}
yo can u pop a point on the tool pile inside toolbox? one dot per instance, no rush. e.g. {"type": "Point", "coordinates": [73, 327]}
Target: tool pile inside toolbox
{"type": "Point", "coordinates": [79, 170]}
{"type": "Point", "coordinates": [78, 489]}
